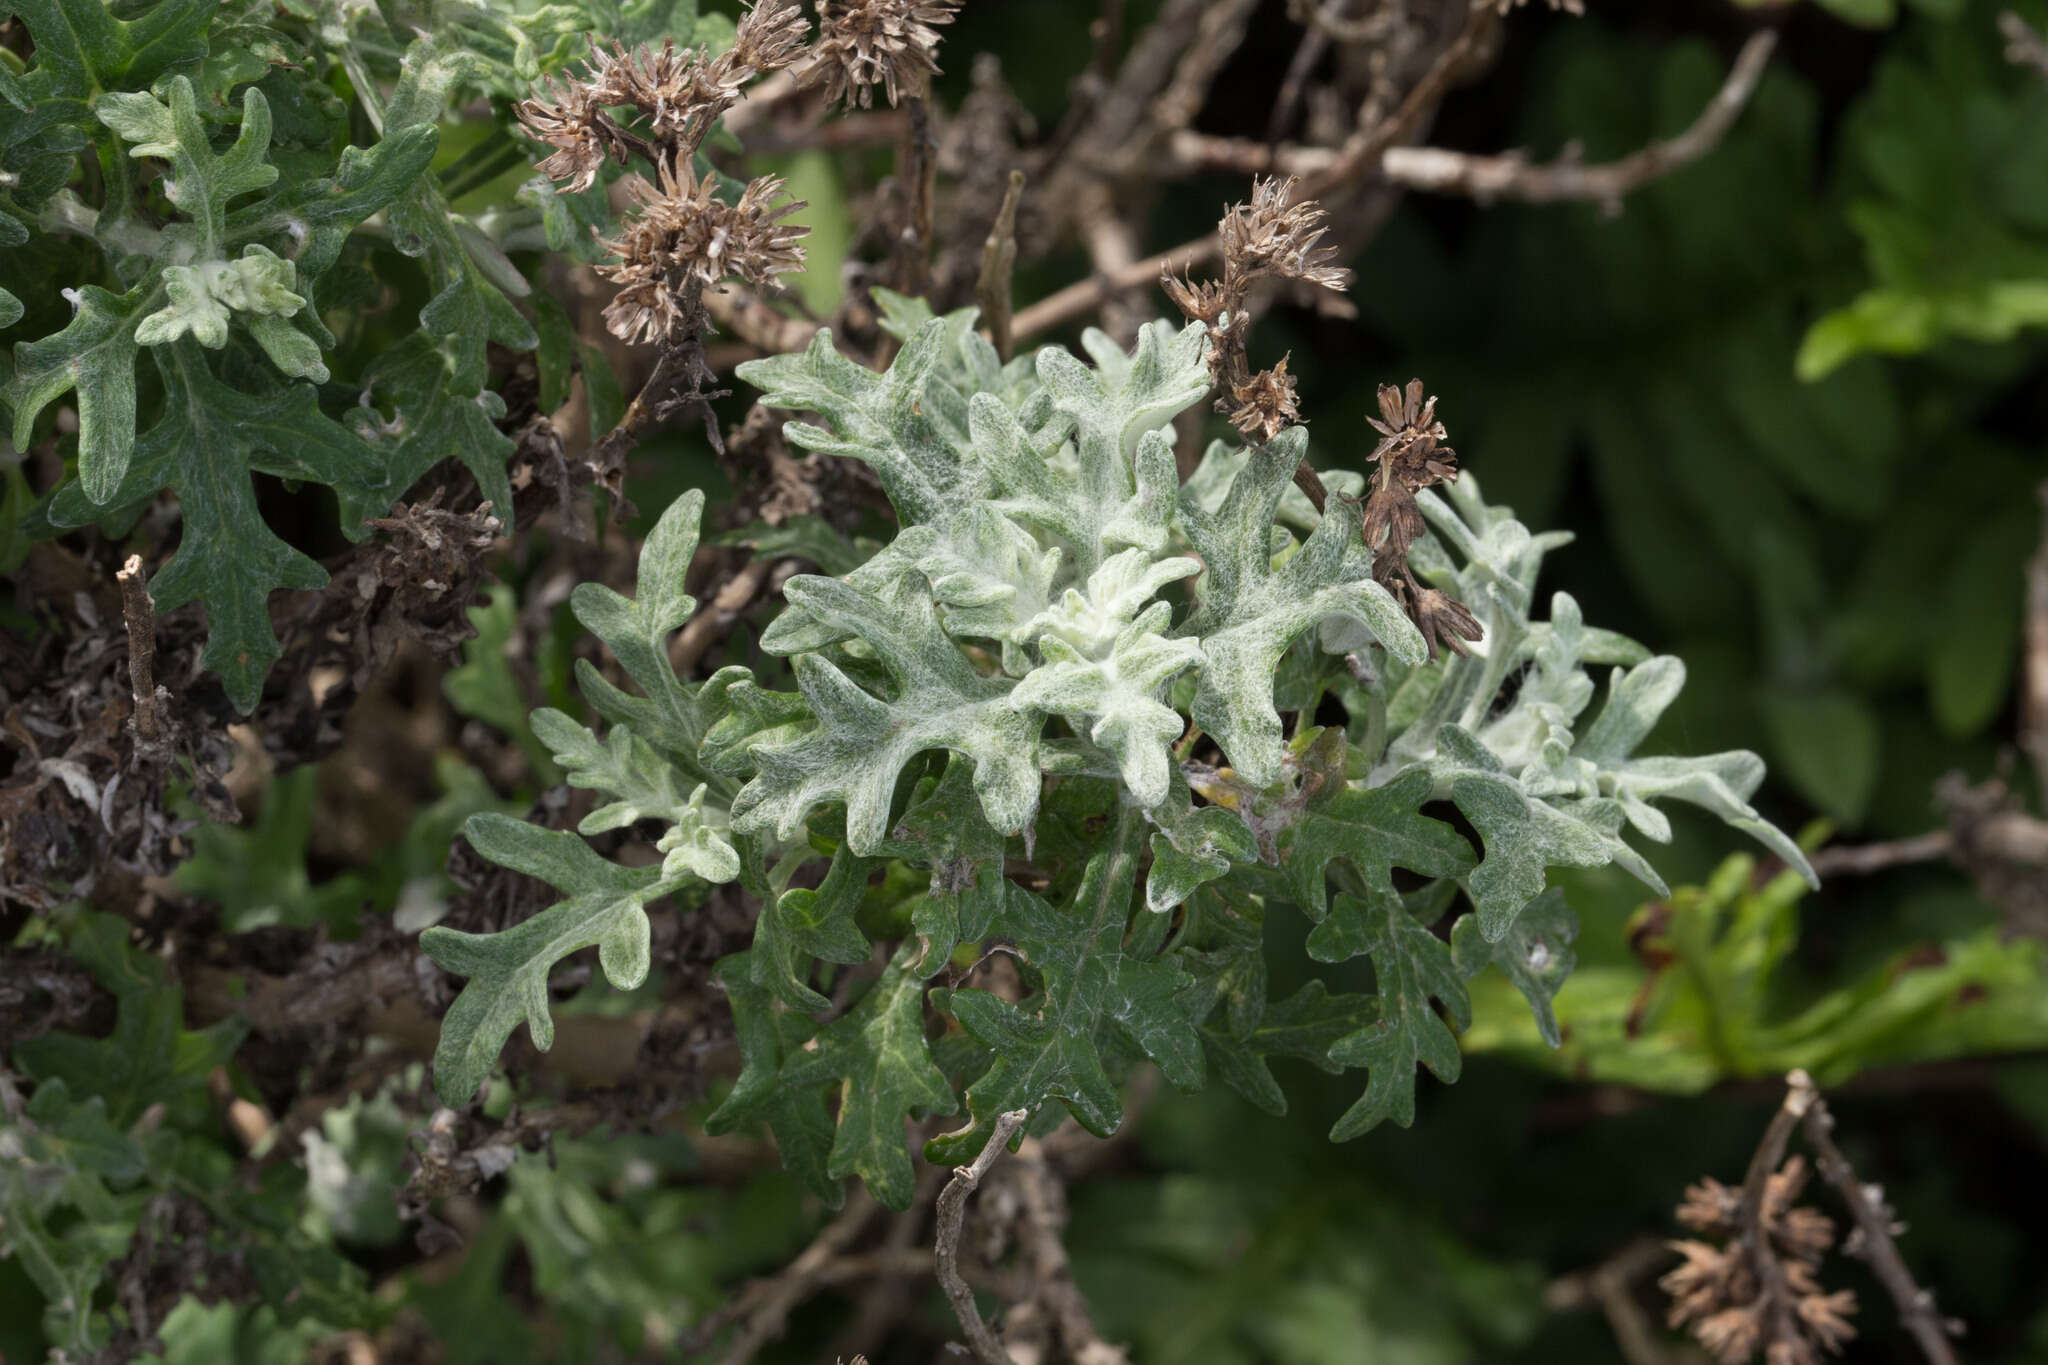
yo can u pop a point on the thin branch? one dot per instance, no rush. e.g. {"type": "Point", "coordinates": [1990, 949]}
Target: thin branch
{"type": "Point", "coordinates": [766, 1304]}
{"type": "Point", "coordinates": [1052, 1274]}
{"type": "Point", "coordinates": [952, 1216]}
{"type": "Point", "coordinates": [998, 263]}
{"type": "Point", "coordinates": [1328, 22]}
{"type": "Point", "coordinates": [680, 363]}
{"type": "Point", "coordinates": [916, 179]}
{"type": "Point", "coordinates": [898, 1265]}
{"type": "Point", "coordinates": [1083, 297]}
{"type": "Point", "coordinates": [1364, 148]}
{"type": "Point", "coordinates": [140, 612]}
{"type": "Point", "coordinates": [753, 320]}
{"type": "Point", "coordinates": [706, 628]}
{"type": "Point", "coordinates": [1861, 860]}
{"type": "Point", "coordinates": [1315, 41]}
{"type": "Point", "coordinates": [1875, 1227]}
{"type": "Point", "coordinates": [2034, 678]}
{"type": "Point", "coordinates": [1218, 33]}
{"type": "Point", "coordinates": [1511, 176]}
{"type": "Point", "coordinates": [1610, 1286]}
{"type": "Point", "coordinates": [1774, 1297]}
{"type": "Point", "coordinates": [2024, 46]}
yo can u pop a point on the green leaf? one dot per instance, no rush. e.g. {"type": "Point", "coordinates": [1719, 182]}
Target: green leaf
{"type": "Point", "coordinates": [508, 971]}
{"type": "Point", "coordinates": [205, 446]}
{"type": "Point", "coordinates": [149, 1057]}
{"type": "Point", "coordinates": [1306, 1025]}
{"type": "Point", "coordinates": [805, 924]}
{"type": "Point", "coordinates": [876, 1057]}
{"type": "Point", "coordinates": [1047, 1047]}
{"type": "Point", "coordinates": [1250, 613]}
{"type": "Point", "coordinates": [483, 686]}
{"type": "Point", "coordinates": [803, 536]}
{"type": "Point", "coordinates": [94, 354]}
{"type": "Point", "coordinates": [1536, 955]}
{"type": "Point", "coordinates": [1412, 967]}
{"type": "Point", "coordinates": [1106, 662]}
{"type": "Point", "coordinates": [943, 828]}
{"type": "Point", "coordinates": [1525, 836]}
{"type": "Point", "coordinates": [82, 49]}
{"type": "Point", "coordinates": [1194, 846]}
{"type": "Point", "coordinates": [1977, 636]}
{"type": "Point", "coordinates": [878, 419]}
{"type": "Point", "coordinates": [861, 741]}
{"type": "Point", "coordinates": [672, 715]}
{"type": "Point", "coordinates": [200, 183]}
{"type": "Point", "coordinates": [1376, 829]}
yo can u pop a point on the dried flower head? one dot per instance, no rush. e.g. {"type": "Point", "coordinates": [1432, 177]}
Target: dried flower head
{"type": "Point", "coordinates": [1410, 458]}
{"type": "Point", "coordinates": [1758, 1292]}
{"type": "Point", "coordinates": [1443, 620]}
{"type": "Point", "coordinates": [1273, 237]}
{"type": "Point", "coordinates": [1265, 404]}
{"type": "Point", "coordinates": [1204, 302]}
{"type": "Point", "coordinates": [862, 42]}
{"type": "Point", "coordinates": [770, 36]}
{"type": "Point", "coordinates": [685, 239]}
{"type": "Point", "coordinates": [570, 117]}
{"type": "Point", "coordinates": [1710, 1207]}
{"type": "Point", "coordinates": [680, 91]}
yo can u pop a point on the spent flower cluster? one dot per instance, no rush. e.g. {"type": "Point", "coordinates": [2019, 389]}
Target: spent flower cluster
{"type": "Point", "coordinates": [1272, 237]}
{"type": "Point", "coordinates": [864, 43]}
{"type": "Point", "coordinates": [684, 235]}
{"type": "Point", "coordinates": [1758, 1287]}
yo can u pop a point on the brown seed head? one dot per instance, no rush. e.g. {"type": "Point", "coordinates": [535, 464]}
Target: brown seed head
{"type": "Point", "coordinates": [771, 35]}
{"type": "Point", "coordinates": [685, 239]}
{"type": "Point", "coordinates": [1265, 404]}
{"type": "Point", "coordinates": [1443, 619]}
{"type": "Point", "coordinates": [865, 42]}
{"type": "Point", "coordinates": [569, 116]}
{"type": "Point", "coordinates": [1272, 237]}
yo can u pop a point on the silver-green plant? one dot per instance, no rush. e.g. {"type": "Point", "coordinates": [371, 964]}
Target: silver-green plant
{"type": "Point", "coordinates": [1060, 697]}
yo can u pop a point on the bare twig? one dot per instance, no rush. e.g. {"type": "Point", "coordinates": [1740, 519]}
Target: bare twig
{"type": "Point", "coordinates": [1610, 1286]}
{"type": "Point", "coordinates": [1511, 176]}
{"type": "Point", "coordinates": [140, 612]}
{"type": "Point", "coordinates": [1083, 297]}
{"type": "Point", "coordinates": [1364, 148]}
{"type": "Point", "coordinates": [1861, 860]}
{"type": "Point", "coordinates": [916, 175]}
{"type": "Point", "coordinates": [764, 1306]}
{"type": "Point", "coordinates": [998, 262]}
{"type": "Point", "coordinates": [2034, 674]}
{"type": "Point", "coordinates": [1052, 1275]}
{"type": "Point", "coordinates": [753, 320]}
{"type": "Point", "coordinates": [952, 1216]}
{"type": "Point", "coordinates": [706, 628]}
{"type": "Point", "coordinates": [897, 1264]}
{"type": "Point", "coordinates": [677, 380]}
{"type": "Point", "coordinates": [1314, 43]}
{"type": "Point", "coordinates": [1218, 33]}
{"type": "Point", "coordinates": [1874, 1226]}
{"type": "Point", "coordinates": [2024, 45]}
{"type": "Point", "coordinates": [1775, 1301]}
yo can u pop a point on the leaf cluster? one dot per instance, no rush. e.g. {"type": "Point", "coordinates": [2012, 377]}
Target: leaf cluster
{"type": "Point", "coordinates": [1047, 716]}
